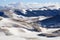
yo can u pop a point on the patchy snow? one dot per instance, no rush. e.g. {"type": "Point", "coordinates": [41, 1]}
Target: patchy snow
{"type": "Point", "coordinates": [18, 27]}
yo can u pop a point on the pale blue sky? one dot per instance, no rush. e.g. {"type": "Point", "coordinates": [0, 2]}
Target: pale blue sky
{"type": "Point", "coordinates": [4, 2]}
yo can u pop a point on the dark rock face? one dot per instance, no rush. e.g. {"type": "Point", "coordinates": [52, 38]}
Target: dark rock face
{"type": "Point", "coordinates": [35, 13]}
{"type": "Point", "coordinates": [2, 14]}
{"type": "Point", "coordinates": [53, 22]}
{"type": "Point", "coordinates": [48, 35]}
{"type": "Point", "coordinates": [18, 12]}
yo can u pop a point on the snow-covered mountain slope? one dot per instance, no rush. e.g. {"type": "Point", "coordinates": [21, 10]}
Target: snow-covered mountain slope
{"type": "Point", "coordinates": [43, 12]}
{"type": "Point", "coordinates": [23, 20]}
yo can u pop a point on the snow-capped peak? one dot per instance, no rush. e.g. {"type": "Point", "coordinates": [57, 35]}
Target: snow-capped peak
{"type": "Point", "coordinates": [35, 6]}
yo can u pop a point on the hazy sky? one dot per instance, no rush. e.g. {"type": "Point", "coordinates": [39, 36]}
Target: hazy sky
{"type": "Point", "coordinates": [4, 2]}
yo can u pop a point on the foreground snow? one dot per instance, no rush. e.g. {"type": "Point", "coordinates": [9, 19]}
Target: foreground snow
{"type": "Point", "coordinates": [4, 37]}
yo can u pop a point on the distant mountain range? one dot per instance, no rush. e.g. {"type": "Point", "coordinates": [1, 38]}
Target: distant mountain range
{"type": "Point", "coordinates": [29, 10]}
